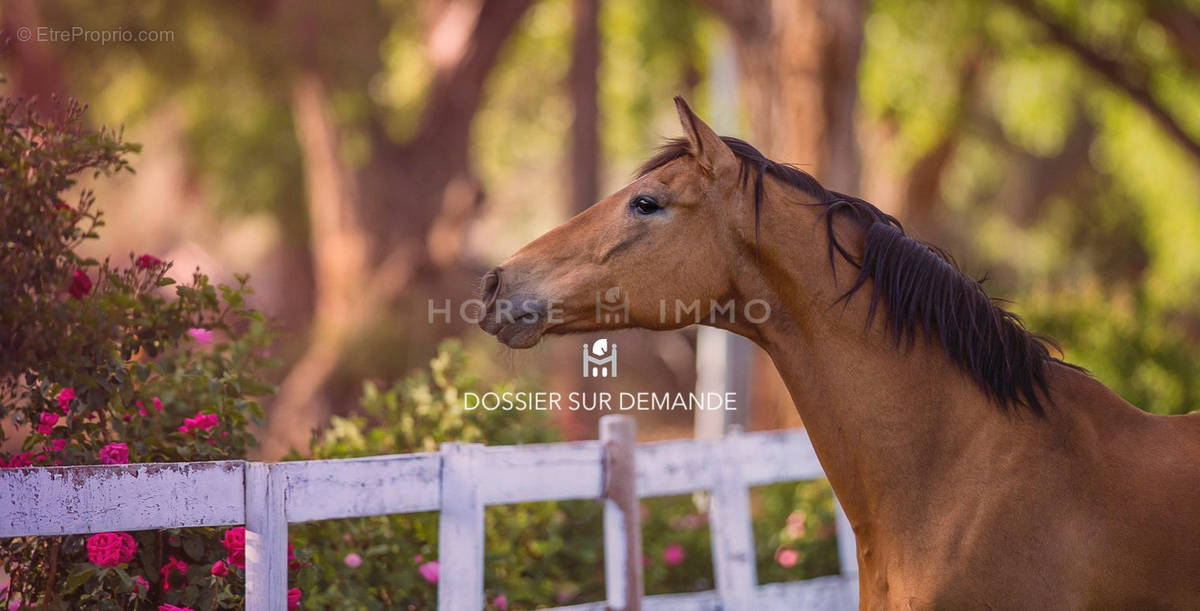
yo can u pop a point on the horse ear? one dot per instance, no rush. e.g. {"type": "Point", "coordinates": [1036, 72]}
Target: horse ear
{"type": "Point", "coordinates": [706, 146]}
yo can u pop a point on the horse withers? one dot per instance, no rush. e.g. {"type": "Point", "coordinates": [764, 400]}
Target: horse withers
{"type": "Point", "coordinates": [978, 470]}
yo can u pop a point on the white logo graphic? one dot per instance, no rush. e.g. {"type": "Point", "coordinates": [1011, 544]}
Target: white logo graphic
{"type": "Point", "coordinates": [611, 308]}
{"type": "Point", "coordinates": [600, 361]}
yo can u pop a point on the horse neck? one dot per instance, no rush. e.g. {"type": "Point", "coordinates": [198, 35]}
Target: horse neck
{"type": "Point", "coordinates": [885, 421]}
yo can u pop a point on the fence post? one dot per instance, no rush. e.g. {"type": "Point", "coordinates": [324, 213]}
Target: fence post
{"type": "Point", "coordinates": [732, 532]}
{"type": "Point", "coordinates": [266, 538]}
{"type": "Point", "coordinates": [622, 519]}
{"type": "Point", "coordinates": [460, 529]}
{"type": "Point", "coordinates": [847, 553]}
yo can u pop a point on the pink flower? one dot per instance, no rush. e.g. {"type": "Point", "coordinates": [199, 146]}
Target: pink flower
{"type": "Point", "coordinates": [110, 549]}
{"type": "Point", "coordinates": [58, 445]}
{"type": "Point", "coordinates": [174, 564]}
{"type": "Point", "coordinates": [795, 524]}
{"type": "Point", "coordinates": [65, 396]}
{"type": "Point", "coordinates": [201, 421]}
{"type": "Point", "coordinates": [140, 585]}
{"type": "Point", "coordinates": [429, 571]}
{"type": "Point", "coordinates": [235, 546]}
{"type": "Point", "coordinates": [157, 404]}
{"type": "Point", "coordinates": [787, 558]}
{"type": "Point", "coordinates": [293, 598]}
{"type": "Point", "coordinates": [24, 459]}
{"type": "Point", "coordinates": [353, 560]}
{"type": "Point", "coordinates": [219, 569]}
{"type": "Point", "coordinates": [148, 261]}
{"type": "Point", "coordinates": [292, 562]}
{"type": "Point", "coordinates": [81, 285]}
{"type": "Point", "coordinates": [673, 554]}
{"type": "Point", "coordinates": [501, 602]}
{"type": "Point", "coordinates": [47, 420]}
{"type": "Point", "coordinates": [168, 607]}
{"type": "Point", "coordinates": [202, 336]}
{"type": "Point", "coordinates": [115, 453]}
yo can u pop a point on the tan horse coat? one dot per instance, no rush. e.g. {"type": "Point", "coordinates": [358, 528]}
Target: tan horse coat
{"type": "Point", "coordinates": [957, 501]}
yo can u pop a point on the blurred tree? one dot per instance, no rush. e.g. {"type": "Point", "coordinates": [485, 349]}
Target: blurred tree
{"type": "Point", "coordinates": [585, 101]}
{"type": "Point", "coordinates": [799, 62]}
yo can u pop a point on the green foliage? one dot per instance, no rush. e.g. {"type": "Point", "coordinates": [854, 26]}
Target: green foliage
{"type": "Point", "coordinates": [536, 553]}
{"type": "Point", "coordinates": [99, 363]}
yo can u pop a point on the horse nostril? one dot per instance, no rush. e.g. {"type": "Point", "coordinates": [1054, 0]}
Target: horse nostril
{"type": "Point", "coordinates": [491, 287]}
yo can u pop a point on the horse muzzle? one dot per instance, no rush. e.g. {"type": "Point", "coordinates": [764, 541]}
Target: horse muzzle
{"type": "Point", "coordinates": [517, 320]}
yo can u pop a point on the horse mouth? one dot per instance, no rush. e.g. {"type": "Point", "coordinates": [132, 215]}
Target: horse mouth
{"type": "Point", "coordinates": [520, 326]}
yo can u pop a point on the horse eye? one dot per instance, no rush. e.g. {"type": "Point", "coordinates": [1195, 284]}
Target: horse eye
{"type": "Point", "coordinates": [645, 205]}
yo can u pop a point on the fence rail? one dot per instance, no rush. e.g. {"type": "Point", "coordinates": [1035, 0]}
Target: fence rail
{"type": "Point", "coordinates": [459, 481]}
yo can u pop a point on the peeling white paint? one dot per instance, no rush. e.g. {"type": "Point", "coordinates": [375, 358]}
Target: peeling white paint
{"type": "Point", "coordinates": [38, 501]}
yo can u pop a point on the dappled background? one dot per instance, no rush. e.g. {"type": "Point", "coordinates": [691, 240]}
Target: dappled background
{"type": "Point", "coordinates": [361, 158]}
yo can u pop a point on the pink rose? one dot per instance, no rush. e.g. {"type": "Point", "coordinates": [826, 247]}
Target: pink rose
{"type": "Point", "coordinates": [293, 598]}
{"type": "Point", "coordinates": [157, 404]}
{"type": "Point", "coordinates": [219, 569]}
{"type": "Point", "coordinates": [148, 261]}
{"type": "Point", "coordinates": [58, 445]}
{"type": "Point", "coordinates": [292, 562]}
{"type": "Point", "coordinates": [200, 422]}
{"type": "Point", "coordinates": [110, 549]}
{"type": "Point", "coordinates": [501, 602]}
{"type": "Point", "coordinates": [81, 285]}
{"type": "Point", "coordinates": [115, 454]}
{"type": "Point", "coordinates": [24, 459]}
{"type": "Point", "coordinates": [235, 545]}
{"type": "Point", "coordinates": [202, 336]}
{"type": "Point", "coordinates": [673, 554]}
{"type": "Point", "coordinates": [140, 585]}
{"type": "Point", "coordinates": [65, 396]}
{"type": "Point", "coordinates": [787, 558]}
{"type": "Point", "coordinates": [429, 571]}
{"type": "Point", "coordinates": [47, 420]}
{"type": "Point", "coordinates": [167, 607]}
{"type": "Point", "coordinates": [174, 564]}
{"type": "Point", "coordinates": [353, 560]}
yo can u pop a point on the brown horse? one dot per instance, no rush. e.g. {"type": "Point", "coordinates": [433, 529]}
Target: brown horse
{"type": "Point", "coordinates": [977, 470]}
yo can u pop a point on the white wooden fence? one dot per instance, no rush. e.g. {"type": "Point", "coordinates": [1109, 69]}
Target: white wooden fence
{"type": "Point", "coordinates": [459, 481]}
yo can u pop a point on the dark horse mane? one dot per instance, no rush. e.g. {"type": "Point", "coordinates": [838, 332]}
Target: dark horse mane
{"type": "Point", "coordinates": [918, 284]}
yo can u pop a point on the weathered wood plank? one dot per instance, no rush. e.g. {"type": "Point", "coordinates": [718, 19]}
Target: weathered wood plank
{"type": "Point", "coordinates": [732, 531]}
{"type": "Point", "coordinates": [777, 456]}
{"type": "Point", "coordinates": [674, 467]}
{"type": "Point", "coordinates": [460, 529]}
{"type": "Point", "coordinates": [847, 549]}
{"type": "Point", "coordinates": [266, 538]}
{"type": "Point", "coordinates": [826, 593]}
{"type": "Point", "coordinates": [541, 472]}
{"type": "Point", "coordinates": [622, 515]}
{"type": "Point", "coordinates": [101, 498]}
{"type": "Point", "coordinates": [359, 487]}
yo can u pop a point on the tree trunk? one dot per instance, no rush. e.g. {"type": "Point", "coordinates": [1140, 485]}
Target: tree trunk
{"type": "Point", "coordinates": [799, 85]}
{"type": "Point", "coordinates": [585, 141]}
{"type": "Point", "coordinates": [402, 216]}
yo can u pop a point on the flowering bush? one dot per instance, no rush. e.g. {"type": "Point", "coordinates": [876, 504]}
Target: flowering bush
{"type": "Point", "coordinates": [99, 364]}
{"type": "Point", "coordinates": [536, 553]}
{"type": "Point", "coordinates": [109, 364]}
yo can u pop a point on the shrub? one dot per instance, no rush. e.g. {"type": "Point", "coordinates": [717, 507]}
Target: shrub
{"type": "Point", "coordinates": [535, 553]}
{"type": "Point", "coordinates": [99, 363]}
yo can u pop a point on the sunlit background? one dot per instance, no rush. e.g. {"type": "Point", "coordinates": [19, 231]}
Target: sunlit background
{"type": "Point", "coordinates": [361, 158]}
